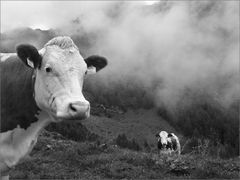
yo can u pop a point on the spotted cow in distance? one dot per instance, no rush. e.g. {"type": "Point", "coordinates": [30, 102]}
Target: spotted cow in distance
{"type": "Point", "coordinates": [39, 87]}
{"type": "Point", "coordinates": [168, 142]}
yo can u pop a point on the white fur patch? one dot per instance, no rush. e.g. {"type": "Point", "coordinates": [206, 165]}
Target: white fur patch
{"type": "Point", "coordinates": [64, 42]}
{"type": "Point", "coordinates": [163, 137]}
{"type": "Point", "coordinates": [30, 63]}
{"type": "Point", "coordinates": [42, 51]}
{"type": "Point", "coordinates": [18, 143]}
{"type": "Point", "coordinates": [91, 70]}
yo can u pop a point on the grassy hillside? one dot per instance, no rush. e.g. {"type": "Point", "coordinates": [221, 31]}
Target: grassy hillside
{"type": "Point", "coordinates": [96, 153]}
{"type": "Point", "coordinates": [105, 125]}
{"type": "Point", "coordinates": [140, 124]}
{"type": "Point", "coordinates": [197, 126]}
{"type": "Point", "coordinates": [55, 157]}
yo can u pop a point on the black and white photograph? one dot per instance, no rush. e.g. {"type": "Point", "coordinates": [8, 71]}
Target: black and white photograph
{"type": "Point", "coordinates": [119, 89]}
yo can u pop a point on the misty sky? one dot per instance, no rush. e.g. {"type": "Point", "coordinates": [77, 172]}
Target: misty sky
{"type": "Point", "coordinates": [46, 14]}
{"type": "Point", "coordinates": [171, 47]}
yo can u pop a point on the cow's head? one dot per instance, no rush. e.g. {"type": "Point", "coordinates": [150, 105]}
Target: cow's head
{"type": "Point", "coordinates": [59, 72]}
{"type": "Point", "coordinates": [163, 138]}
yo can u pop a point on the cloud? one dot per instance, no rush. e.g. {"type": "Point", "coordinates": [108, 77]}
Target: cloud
{"type": "Point", "coordinates": [181, 45]}
{"type": "Point", "coordinates": [167, 48]}
{"type": "Point", "coordinates": [49, 14]}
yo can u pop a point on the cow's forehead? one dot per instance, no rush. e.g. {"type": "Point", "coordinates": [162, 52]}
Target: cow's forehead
{"type": "Point", "coordinates": [62, 49]}
{"type": "Point", "coordinates": [68, 57]}
{"type": "Point", "coordinates": [54, 52]}
{"type": "Point", "coordinates": [163, 134]}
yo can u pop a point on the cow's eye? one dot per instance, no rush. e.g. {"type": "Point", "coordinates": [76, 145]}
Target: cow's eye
{"type": "Point", "coordinates": [85, 72]}
{"type": "Point", "coordinates": [48, 69]}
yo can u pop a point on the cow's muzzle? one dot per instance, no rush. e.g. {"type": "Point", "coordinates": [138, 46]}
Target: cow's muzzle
{"type": "Point", "coordinates": [75, 111]}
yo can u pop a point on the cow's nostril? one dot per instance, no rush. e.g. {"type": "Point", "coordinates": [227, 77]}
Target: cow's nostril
{"type": "Point", "coordinates": [72, 107]}
{"type": "Point", "coordinates": [78, 107]}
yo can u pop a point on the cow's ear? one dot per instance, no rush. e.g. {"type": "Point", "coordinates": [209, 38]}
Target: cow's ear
{"type": "Point", "coordinates": [95, 63]}
{"type": "Point", "coordinates": [29, 55]}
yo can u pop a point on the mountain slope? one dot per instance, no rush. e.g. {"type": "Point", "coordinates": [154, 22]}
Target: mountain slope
{"type": "Point", "coordinates": [55, 157]}
{"type": "Point", "coordinates": [141, 124]}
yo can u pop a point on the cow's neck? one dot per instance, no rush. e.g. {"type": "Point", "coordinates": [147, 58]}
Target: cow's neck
{"type": "Point", "coordinates": [17, 95]}
{"type": "Point", "coordinates": [18, 143]}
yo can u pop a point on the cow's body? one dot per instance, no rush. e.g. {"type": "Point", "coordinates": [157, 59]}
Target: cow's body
{"type": "Point", "coordinates": [174, 143]}
{"type": "Point", "coordinates": [18, 132]}
{"type": "Point", "coordinates": [17, 103]}
{"type": "Point", "coordinates": [37, 88]}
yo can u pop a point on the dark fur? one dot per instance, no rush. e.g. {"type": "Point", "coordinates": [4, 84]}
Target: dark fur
{"type": "Point", "coordinates": [174, 142]}
{"type": "Point", "coordinates": [97, 61]}
{"type": "Point", "coordinates": [17, 103]}
{"type": "Point", "coordinates": [25, 51]}
{"type": "Point", "coordinates": [160, 146]}
{"type": "Point", "coordinates": [168, 146]}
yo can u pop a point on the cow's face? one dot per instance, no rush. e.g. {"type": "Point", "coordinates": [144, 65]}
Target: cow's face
{"type": "Point", "coordinates": [163, 138]}
{"type": "Point", "coordinates": [60, 70]}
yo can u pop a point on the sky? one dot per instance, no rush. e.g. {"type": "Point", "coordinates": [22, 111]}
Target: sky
{"type": "Point", "coordinates": [45, 14]}
{"type": "Point", "coordinates": [174, 46]}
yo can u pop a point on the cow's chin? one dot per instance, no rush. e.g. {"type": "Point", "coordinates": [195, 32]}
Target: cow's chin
{"type": "Point", "coordinates": [60, 110]}
{"type": "Point", "coordinates": [59, 116]}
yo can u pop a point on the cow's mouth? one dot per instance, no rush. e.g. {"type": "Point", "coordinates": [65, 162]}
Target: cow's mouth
{"type": "Point", "coordinates": [59, 116]}
{"type": "Point", "coordinates": [67, 116]}
{"type": "Point", "coordinates": [63, 110]}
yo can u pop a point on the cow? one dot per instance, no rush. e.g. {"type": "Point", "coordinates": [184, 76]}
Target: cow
{"type": "Point", "coordinates": [168, 142]}
{"type": "Point", "coordinates": [39, 87]}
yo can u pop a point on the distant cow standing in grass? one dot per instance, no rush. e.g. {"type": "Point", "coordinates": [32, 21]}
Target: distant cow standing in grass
{"type": "Point", "coordinates": [168, 142]}
{"type": "Point", "coordinates": [49, 80]}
